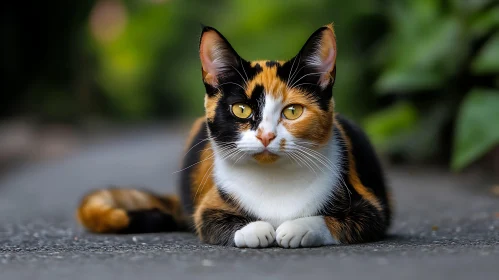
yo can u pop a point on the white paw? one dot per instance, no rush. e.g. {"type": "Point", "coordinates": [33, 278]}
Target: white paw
{"type": "Point", "coordinates": [304, 232]}
{"type": "Point", "coordinates": [255, 235]}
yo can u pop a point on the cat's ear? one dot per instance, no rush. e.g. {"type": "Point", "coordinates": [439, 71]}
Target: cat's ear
{"type": "Point", "coordinates": [318, 55]}
{"type": "Point", "coordinates": [218, 58]}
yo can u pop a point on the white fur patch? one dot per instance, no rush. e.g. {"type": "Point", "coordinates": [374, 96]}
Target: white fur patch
{"type": "Point", "coordinates": [304, 232]}
{"type": "Point", "coordinates": [271, 113]}
{"type": "Point", "coordinates": [280, 191]}
{"type": "Point", "coordinates": [255, 235]}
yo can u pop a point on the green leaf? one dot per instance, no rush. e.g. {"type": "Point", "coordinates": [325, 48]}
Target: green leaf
{"type": "Point", "coordinates": [471, 6]}
{"type": "Point", "coordinates": [407, 81]}
{"type": "Point", "coordinates": [483, 22]}
{"type": "Point", "coordinates": [487, 61]}
{"type": "Point", "coordinates": [420, 143]}
{"type": "Point", "coordinates": [388, 124]}
{"type": "Point", "coordinates": [426, 59]}
{"type": "Point", "coordinates": [477, 127]}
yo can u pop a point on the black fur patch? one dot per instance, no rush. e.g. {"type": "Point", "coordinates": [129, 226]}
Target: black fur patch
{"type": "Point", "coordinates": [346, 205]}
{"type": "Point", "coordinates": [271, 63]}
{"type": "Point", "coordinates": [210, 90]}
{"type": "Point", "coordinates": [148, 221]}
{"type": "Point", "coordinates": [225, 126]}
{"type": "Point", "coordinates": [257, 101]}
{"type": "Point", "coordinates": [219, 226]}
{"type": "Point", "coordinates": [366, 162]}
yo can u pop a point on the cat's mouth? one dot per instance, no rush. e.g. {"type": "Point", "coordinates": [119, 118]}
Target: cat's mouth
{"type": "Point", "coordinates": [265, 157]}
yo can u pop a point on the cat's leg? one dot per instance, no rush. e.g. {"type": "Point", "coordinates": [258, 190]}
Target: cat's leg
{"type": "Point", "coordinates": [358, 228]}
{"type": "Point", "coordinates": [304, 232]}
{"type": "Point", "coordinates": [223, 227]}
{"type": "Point", "coordinates": [219, 222]}
{"type": "Point", "coordinates": [362, 222]}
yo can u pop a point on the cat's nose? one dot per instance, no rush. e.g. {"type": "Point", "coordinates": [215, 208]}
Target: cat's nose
{"type": "Point", "coordinates": [266, 137]}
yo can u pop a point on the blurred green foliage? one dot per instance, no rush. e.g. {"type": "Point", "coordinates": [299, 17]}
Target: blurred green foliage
{"type": "Point", "coordinates": [153, 69]}
{"type": "Point", "coordinates": [408, 70]}
{"type": "Point", "coordinates": [442, 58]}
{"type": "Point", "coordinates": [476, 121]}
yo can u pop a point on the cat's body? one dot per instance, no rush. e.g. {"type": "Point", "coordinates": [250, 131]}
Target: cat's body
{"type": "Point", "coordinates": [270, 161]}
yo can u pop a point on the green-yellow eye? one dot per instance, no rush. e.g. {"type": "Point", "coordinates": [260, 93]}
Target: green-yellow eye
{"type": "Point", "coordinates": [292, 112]}
{"type": "Point", "coordinates": [241, 110]}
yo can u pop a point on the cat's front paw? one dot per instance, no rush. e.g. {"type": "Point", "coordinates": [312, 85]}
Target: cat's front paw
{"type": "Point", "coordinates": [255, 235]}
{"type": "Point", "coordinates": [296, 233]}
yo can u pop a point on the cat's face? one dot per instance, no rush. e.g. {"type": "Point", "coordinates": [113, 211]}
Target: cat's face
{"type": "Point", "coordinates": [268, 111]}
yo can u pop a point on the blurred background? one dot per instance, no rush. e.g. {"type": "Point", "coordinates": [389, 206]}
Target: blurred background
{"type": "Point", "coordinates": [421, 76]}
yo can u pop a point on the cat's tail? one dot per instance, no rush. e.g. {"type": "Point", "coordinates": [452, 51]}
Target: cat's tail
{"type": "Point", "coordinates": [119, 210]}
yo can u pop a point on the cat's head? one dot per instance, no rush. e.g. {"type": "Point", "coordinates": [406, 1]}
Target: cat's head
{"type": "Point", "coordinates": [268, 111]}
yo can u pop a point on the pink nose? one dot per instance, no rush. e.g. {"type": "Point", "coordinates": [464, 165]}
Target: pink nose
{"type": "Point", "coordinates": [266, 138]}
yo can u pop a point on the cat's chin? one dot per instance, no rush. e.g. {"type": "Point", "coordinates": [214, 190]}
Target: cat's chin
{"type": "Point", "coordinates": [265, 157]}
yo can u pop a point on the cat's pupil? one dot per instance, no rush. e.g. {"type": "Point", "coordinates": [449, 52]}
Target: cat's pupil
{"type": "Point", "coordinates": [242, 108]}
{"type": "Point", "coordinates": [292, 109]}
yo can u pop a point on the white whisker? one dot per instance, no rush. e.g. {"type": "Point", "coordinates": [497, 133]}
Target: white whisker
{"type": "Point", "coordinates": [304, 162]}
{"type": "Point", "coordinates": [311, 159]}
{"type": "Point", "coordinates": [290, 71]}
{"type": "Point", "coordinates": [240, 75]}
{"type": "Point", "coordinates": [306, 75]}
{"type": "Point", "coordinates": [208, 158]}
{"type": "Point", "coordinates": [242, 66]}
{"type": "Point", "coordinates": [306, 84]}
{"type": "Point", "coordinates": [296, 70]}
{"type": "Point", "coordinates": [205, 179]}
{"type": "Point", "coordinates": [227, 83]}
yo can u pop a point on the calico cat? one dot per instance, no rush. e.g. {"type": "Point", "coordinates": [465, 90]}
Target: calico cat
{"type": "Point", "coordinates": [270, 163]}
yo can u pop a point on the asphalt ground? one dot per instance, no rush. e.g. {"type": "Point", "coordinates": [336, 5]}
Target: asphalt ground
{"type": "Point", "coordinates": [446, 225]}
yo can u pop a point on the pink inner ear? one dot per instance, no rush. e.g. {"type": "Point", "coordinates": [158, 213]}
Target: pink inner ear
{"type": "Point", "coordinates": [328, 62]}
{"type": "Point", "coordinates": [207, 51]}
{"type": "Point", "coordinates": [327, 53]}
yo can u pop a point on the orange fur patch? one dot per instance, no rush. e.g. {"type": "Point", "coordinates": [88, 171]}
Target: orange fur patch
{"type": "Point", "coordinates": [334, 227]}
{"type": "Point", "coordinates": [282, 144]}
{"type": "Point", "coordinates": [266, 157]}
{"type": "Point", "coordinates": [202, 175]}
{"type": "Point", "coordinates": [210, 200]}
{"type": "Point", "coordinates": [210, 105]}
{"type": "Point", "coordinates": [97, 213]}
{"type": "Point", "coordinates": [314, 124]}
{"type": "Point", "coordinates": [269, 80]}
{"type": "Point", "coordinates": [244, 127]}
{"type": "Point", "coordinates": [352, 173]}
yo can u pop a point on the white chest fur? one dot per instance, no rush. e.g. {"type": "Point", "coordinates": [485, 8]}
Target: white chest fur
{"type": "Point", "coordinates": [279, 192]}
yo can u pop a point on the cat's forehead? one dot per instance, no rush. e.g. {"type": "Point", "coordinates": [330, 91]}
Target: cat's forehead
{"type": "Point", "coordinates": [270, 79]}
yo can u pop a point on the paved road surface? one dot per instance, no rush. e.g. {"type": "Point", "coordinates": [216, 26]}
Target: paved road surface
{"type": "Point", "coordinates": [446, 226]}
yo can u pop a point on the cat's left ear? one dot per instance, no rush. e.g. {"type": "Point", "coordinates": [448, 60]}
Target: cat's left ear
{"type": "Point", "coordinates": [319, 55]}
{"type": "Point", "coordinates": [218, 58]}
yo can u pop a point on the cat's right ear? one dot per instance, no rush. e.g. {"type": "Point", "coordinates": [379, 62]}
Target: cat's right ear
{"type": "Point", "coordinates": [218, 58]}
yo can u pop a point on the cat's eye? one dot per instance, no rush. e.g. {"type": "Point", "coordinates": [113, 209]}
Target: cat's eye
{"type": "Point", "coordinates": [292, 112]}
{"type": "Point", "coordinates": [241, 110]}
